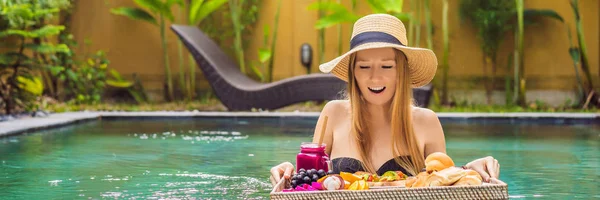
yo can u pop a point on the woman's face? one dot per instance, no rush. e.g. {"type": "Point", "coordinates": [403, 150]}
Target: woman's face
{"type": "Point", "coordinates": [375, 72]}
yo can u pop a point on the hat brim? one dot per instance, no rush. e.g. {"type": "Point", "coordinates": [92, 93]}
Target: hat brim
{"type": "Point", "coordinates": [422, 63]}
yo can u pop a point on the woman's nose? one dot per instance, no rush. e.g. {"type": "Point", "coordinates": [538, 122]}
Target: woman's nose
{"type": "Point", "coordinates": [376, 74]}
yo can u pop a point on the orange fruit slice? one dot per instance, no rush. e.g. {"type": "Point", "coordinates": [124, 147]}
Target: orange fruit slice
{"type": "Point", "coordinates": [350, 177]}
{"type": "Point", "coordinates": [346, 184]}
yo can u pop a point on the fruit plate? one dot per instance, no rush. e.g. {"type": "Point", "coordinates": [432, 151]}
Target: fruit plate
{"type": "Point", "coordinates": [496, 190]}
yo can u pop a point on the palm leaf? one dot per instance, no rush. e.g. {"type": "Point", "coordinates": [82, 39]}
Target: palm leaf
{"type": "Point", "coordinates": [119, 83]}
{"type": "Point", "coordinates": [531, 13]}
{"type": "Point", "coordinates": [195, 6]}
{"type": "Point", "coordinates": [334, 19]}
{"type": "Point", "coordinates": [376, 6]}
{"type": "Point", "coordinates": [206, 9]}
{"type": "Point", "coordinates": [153, 5]}
{"type": "Point", "coordinates": [158, 6]}
{"type": "Point", "coordinates": [134, 13]}
{"type": "Point", "coordinates": [178, 2]}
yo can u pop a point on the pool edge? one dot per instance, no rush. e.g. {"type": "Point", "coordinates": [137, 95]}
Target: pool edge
{"type": "Point", "coordinates": [62, 119]}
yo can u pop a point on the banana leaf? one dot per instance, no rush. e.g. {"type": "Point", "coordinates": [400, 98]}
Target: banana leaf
{"type": "Point", "coordinates": [135, 13]}
{"type": "Point", "coordinates": [119, 83]}
{"type": "Point", "coordinates": [530, 14]}
{"type": "Point", "coordinates": [200, 10]}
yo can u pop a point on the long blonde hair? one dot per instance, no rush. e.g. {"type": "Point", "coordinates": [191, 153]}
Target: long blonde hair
{"type": "Point", "coordinates": [401, 120]}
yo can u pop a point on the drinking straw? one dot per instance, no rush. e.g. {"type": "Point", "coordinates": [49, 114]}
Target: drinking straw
{"type": "Point", "coordinates": [323, 131]}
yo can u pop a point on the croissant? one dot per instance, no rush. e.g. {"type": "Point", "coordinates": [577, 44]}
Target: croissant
{"type": "Point", "coordinates": [438, 161]}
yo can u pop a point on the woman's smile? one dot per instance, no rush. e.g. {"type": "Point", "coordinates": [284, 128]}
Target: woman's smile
{"type": "Point", "coordinates": [376, 90]}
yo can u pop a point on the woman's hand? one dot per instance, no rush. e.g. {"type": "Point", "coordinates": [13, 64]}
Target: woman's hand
{"type": "Point", "coordinates": [283, 170]}
{"type": "Point", "coordinates": [487, 167]}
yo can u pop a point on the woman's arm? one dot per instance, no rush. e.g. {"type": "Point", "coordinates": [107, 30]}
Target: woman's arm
{"type": "Point", "coordinates": [331, 110]}
{"type": "Point", "coordinates": [433, 135]}
{"type": "Point", "coordinates": [430, 125]}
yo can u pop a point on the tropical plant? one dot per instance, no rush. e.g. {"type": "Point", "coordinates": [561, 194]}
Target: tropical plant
{"type": "Point", "coordinates": [25, 29]}
{"type": "Point", "coordinates": [576, 57]}
{"type": "Point", "coordinates": [524, 17]}
{"type": "Point", "coordinates": [518, 56]}
{"type": "Point", "coordinates": [446, 55]}
{"type": "Point", "coordinates": [134, 89]}
{"type": "Point", "coordinates": [161, 10]}
{"type": "Point", "coordinates": [198, 11]}
{"type": "Point", "coordinates": [428, 24]}
{"type": "Point", "coordinates": [89, 79]}
{"type": "Point", "coordinates": [591, 95]}
{"type": "Point", "coordinates": [334, 13]}
{"type": "Point", "coordinates": [235, 7]}
{"type": "Point", "coordinates": [490, 19]}
{"type": "Point", "coordinates": [270, 52]}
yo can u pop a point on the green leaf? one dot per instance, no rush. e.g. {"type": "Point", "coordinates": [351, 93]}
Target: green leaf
{"type": "Point", "coordinates": [134, 13]}
{"type": "Point", "coordinates": [575, 54]}
{"type": "Point", "coordinates": [10, 57]}
{"type": "Point", "coordinates": [376, 6]}
{"type": "Point", "coordinates": [32, 85]}
{"type": "Point", "coordinates": [531, 13]}
{"type": "Point", "coordinates": [47, 30]}
{"type": "Point", "coordinates": [137, 96]}
{"type": "Point", "coordinates": [406, 17]}
{"type": "Point", "coordinates": [178, 2]}
{"type": "Point", "coordinates": [153, 5]}
{"type": "Point", "coordinates": [49, 48]}
{"type": "Point", "coordinates": [119, 83]}
{"type": "Point", "coordinates": [72, 75]}
{"type": "Point", "coordinates": [205, 10]}
{"type": "Point", "coordinates": [43, 12]}
{"type": "Point", "coordinates": [258, 73]}
{"type": "Point", "coordinates": [264, 55]}
{"type": "Point", "coordinates": [55, 70]}
{"type": "Point", "coordinates": [158, 7]}
{"type": "Point", "coordinates": [266, 32]}
{"type": "Point", "coordinates": [195, 6]}
{"type": "Point", "coordinates": [335, 19]}
{"type": "Point", "coordinates": [116, 74]}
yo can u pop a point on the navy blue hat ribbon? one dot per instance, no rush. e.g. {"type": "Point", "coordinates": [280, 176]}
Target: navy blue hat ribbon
{"type": "Point", "coordinates": [373, 36]}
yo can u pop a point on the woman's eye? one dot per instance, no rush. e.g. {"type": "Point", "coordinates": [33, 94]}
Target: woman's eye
{"type": "Point", "coordinates": [387, 67]}
{"type": "Point", "coordinates": [364, 67]}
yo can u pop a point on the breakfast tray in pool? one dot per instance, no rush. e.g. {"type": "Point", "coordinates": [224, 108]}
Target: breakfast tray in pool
{"type": "Point", "coordinates": [497, 190]}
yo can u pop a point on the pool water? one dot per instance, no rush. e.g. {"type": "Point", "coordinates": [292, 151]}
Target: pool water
{"type": "Point", "coordinates": [230, 158]}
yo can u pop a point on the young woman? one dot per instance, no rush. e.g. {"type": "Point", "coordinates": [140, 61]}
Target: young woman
{"type": "Point", "coordinates": [378, 129]}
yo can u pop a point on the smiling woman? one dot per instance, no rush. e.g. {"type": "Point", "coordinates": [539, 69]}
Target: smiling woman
{"type": "Point", "coordinates": [378, 128]}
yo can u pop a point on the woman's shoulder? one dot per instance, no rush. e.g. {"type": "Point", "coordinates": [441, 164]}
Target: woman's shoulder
{"type": "Point", "coordinates": [423, 115]}
{"type": "Point", "coordinates": [336, 106]}
{"type": "Point", "coordinates": [336, 109]}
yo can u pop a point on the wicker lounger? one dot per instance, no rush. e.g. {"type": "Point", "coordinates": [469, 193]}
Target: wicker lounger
{"type": "Point", "coordinates": [238, 92]}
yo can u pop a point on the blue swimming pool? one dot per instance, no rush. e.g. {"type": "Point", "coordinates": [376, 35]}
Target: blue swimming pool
{"type": "Point", "coordinates": [226, 158]}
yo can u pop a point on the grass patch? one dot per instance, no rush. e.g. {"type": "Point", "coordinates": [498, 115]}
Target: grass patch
{"type": "Point", "coordinates": [213, 104]}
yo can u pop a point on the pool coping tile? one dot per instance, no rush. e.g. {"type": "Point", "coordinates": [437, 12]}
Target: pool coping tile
{"type": "Point", "coordinates": [60, 119]}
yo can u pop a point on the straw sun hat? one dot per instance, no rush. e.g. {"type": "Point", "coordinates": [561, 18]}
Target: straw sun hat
{"type": "Point", "coordinates": [380, 31]}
